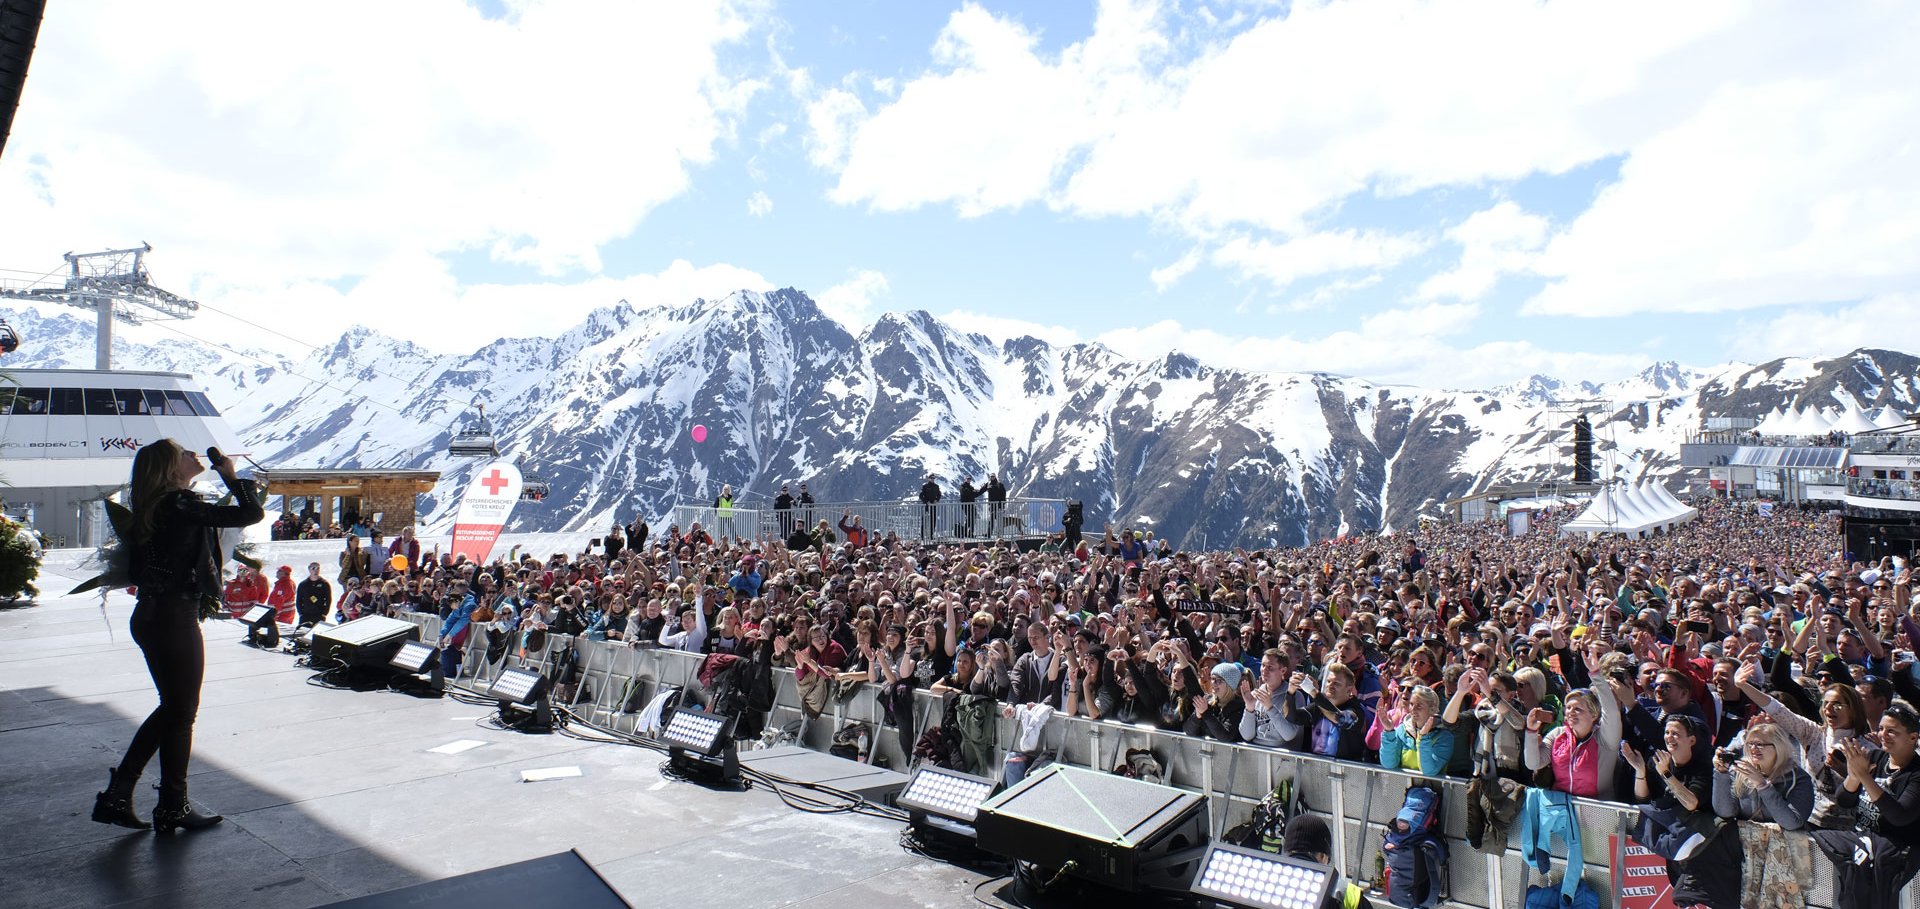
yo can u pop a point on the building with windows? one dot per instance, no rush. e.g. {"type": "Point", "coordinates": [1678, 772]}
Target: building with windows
{"type": "Point", "coordinates": [1883, 494]}
{"type": "Point", "coordinates": [68, 436]}
{"type": "Point", "coordinates": [1745, 463]}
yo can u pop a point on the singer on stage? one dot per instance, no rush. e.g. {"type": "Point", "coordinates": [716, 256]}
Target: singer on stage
{"type": "Point", "coordinates": [175, 563]}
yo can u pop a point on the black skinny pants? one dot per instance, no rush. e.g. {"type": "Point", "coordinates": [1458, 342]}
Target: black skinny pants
{"type": "Point", "coordinates": [168, 632]}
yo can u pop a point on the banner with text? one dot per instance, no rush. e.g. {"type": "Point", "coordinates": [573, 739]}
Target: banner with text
{"type": "Point", "coordinates": [1639, 876]}
{"type": "Point", "coordinates": [484, 510]}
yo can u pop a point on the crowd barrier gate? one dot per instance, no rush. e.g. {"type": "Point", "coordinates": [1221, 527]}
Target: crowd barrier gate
{"type": "Point", "coordinates": [1356, 799]}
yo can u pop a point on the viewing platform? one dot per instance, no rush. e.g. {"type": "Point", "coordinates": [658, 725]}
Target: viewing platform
{"type": "Point", "coordinates": [1023, 522]}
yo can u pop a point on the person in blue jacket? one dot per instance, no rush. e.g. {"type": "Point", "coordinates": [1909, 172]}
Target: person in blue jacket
{"type": "Point", "coordinates": [456, 629]}
{"type": "Point", "coordinates": [1420, 743]}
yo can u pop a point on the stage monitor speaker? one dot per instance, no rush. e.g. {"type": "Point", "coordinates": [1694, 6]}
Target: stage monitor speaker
{"type": "Point", "coordinates": [369, 641]}
{"type": "Point", "coordinates": [564, 879]}
{"type": "Point", "coordinates": [1099, 827]}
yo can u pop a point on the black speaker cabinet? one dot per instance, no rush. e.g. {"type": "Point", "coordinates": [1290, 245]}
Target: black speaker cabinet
{"type": "Point", "coordinates": [1115, 831]}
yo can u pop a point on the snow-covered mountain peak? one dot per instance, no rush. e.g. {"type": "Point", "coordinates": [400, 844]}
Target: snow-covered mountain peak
{"type": "Point", "coordinates": [1206, 455]}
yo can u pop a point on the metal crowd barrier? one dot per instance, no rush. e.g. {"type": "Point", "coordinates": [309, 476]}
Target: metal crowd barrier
{"type": "Point", "coordinates": [1358, 800]}
{"type": "Point", "coordinates": [944, 521]}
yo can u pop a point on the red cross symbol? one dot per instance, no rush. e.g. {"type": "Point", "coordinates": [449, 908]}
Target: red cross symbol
{"type": "Point", "coordinates": [494, 482]}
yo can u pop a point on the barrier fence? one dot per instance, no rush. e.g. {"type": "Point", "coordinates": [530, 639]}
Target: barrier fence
{"type": "Point", "coordinates": [1357, 800]}
{"type": "Point", "coordinates": [944, 521]}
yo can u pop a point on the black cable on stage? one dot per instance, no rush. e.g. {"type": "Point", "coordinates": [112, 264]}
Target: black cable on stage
{"type": "Point", "coordinates": [845, 802]}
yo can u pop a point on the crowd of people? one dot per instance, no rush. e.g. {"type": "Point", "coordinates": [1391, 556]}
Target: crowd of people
{"type": "Point", "coordinates": [1735, 678]}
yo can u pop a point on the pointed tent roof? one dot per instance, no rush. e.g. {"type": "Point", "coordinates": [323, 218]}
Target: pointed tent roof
{"type": "Point", "coordinates": [1631, 510]}
{"type": "Point", "coordinates": [1792, 423]}
{"type": "Point", "coordinates": [1770, 423]}
{"type": "Point", "coordinates": [1661, 493]}
{"type": "Point", "coordinates": [1854, 421]}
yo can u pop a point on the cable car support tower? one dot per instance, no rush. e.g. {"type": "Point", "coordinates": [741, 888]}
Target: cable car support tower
{"type": "Point", "coordinates": [114, 284]}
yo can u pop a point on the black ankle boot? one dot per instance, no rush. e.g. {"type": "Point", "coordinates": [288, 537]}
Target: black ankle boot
{"type": "Point", "coordinates": [175, 811]}
{"type": "Point", "coordinates": [115, 806]}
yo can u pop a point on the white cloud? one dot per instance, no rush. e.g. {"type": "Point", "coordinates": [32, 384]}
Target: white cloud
{"type": "Point", "coordinates": [851, 302]}
{"type": "Point", "coordinates": [1495, 242]}
{"type": "Point", "coordinates": [1170, 274]}
{"type": "Point", "coordinates": [1884, 322]}
{"type": "Point", "coordinates": [759, 204]}
{"type": "Point", "coordinates": [831, 119]}
{"type": "Point", "coordinates": [1002, 329]}
{"type": "Point", "coordinates": [1399, 346]}
{"type": "Point", "coordinates": [1765, 147]}
{"type": "Point", "coordinates": [1315, 254]}
{"type": "Point", "coordinates": [1801, 189]}
{"type": "Point", "coordinates": [994, 126]}
{"type": "Point", "coordinates": [1433, 320]}
{"type": "Point", "coordinates": [1397, 96]}
{"type": "Point", "coordinates": [403, 297]}
{"type": "Point", "coordinates": [268, 146]}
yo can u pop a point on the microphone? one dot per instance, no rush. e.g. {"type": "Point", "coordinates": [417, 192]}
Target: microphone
{"type": "Point", "coordinates": [215, 458]}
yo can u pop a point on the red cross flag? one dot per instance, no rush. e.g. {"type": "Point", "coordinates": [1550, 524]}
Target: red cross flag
{"type": "Point", "coordinates": [484, 510]}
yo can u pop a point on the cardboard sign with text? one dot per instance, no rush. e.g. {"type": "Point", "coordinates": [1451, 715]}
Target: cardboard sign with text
{"type": "Point", "coordinates": [1639, 877]}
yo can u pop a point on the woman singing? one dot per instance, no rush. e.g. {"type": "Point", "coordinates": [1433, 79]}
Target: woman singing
{"type": "Point", "coordinates": [176, 562]}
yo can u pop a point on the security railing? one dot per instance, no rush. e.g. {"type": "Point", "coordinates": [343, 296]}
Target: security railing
{"type": "Point", "coordinates": [1905, 490]}
{"type": "Point", "coordinates": [1357, 800]}
{"type": "Point", "coordinates": [1889, 443]}
{"type": "Point", "coordinates": [941, 522]}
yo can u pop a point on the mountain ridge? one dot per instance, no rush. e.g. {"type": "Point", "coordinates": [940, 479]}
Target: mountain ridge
{"type": "Point", "coordinates": [1206, 454]}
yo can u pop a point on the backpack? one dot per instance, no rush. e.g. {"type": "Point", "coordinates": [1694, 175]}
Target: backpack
{"type": "Point", "coordinates": [1140, 764]}
{"type": "Point", "coordinates": [1539, 897]}
{"type": "Point", "coordinates": [938, 747]}
{"type": "Point", "coordinates": [1267, 828]}
{"type": "Point", "coordinates": [1416, 856]}
{"type": "Point", "coordinates": [849, 739]}
{"type": "Point", "coordinates": [564, 673]}
{"type": "Point", "coordinates": [941, 744]}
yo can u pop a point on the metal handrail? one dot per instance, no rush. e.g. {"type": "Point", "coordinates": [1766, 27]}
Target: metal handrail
{"type": "Point", "coordinates": [943, 522]}
{"type": "Point", "coordinates": [1192, 763]}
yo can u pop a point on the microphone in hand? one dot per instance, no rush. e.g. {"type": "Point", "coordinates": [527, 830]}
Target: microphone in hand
{"type": "Point", "coordinates": [215, 459]}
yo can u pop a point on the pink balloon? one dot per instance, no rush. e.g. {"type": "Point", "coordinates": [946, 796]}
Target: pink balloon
{"type": "Point", "coordinates": [699, 433]}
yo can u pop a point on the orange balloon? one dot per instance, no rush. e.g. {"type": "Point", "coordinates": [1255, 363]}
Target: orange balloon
{"type": "Point", "coordinates": [398, 562]}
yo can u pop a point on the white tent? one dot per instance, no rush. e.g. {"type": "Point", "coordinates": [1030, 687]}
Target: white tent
{"type": "Point", "coordinates": [1659, 492]}
{"type": "Point", "coordinates": [1854, 421]}
{"type": "Point", "coordinates": [1889, 418]}
{"type": "Point", "coordinates": [1770, 425]}
{"type": "Point", "coordinates": [1631, 510]}
{"type": "Point", "coordinates": [1798, 423]}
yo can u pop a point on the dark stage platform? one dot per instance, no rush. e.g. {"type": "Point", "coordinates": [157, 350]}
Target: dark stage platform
{"type": "Point", "coordinates": [333, 794]}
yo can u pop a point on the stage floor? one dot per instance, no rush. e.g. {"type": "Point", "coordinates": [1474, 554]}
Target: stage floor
{"type": "Point", "coordinates": [331, 794]}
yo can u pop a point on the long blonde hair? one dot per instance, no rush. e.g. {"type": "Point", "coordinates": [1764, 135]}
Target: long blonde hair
{"type": "Point", "coordinates": [1786, 756]}
{"type": "Point", "coordinates": [153, 468]}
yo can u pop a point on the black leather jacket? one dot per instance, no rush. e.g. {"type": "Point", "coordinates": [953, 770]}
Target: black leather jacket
{"type": "Point", "coordinates": [183, 555]}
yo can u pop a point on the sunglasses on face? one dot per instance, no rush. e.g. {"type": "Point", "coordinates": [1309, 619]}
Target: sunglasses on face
{"type": "Point", "coordinates": [1664, 686]}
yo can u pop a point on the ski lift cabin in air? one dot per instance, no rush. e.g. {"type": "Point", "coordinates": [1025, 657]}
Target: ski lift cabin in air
{"type": "Point", "coordinates": [475, 439]}
{"type": "Point", "coordinates": [532, 487]}
{"type": "Point", "coordinates": [9, 339]}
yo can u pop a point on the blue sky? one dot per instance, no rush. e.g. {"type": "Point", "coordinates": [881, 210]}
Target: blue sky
{"type": "Point", "coordinates": [1452, 194]}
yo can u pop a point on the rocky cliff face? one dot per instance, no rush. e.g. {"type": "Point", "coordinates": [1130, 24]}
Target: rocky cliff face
{"type": "Point", "coordinates": [1206, 456]}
